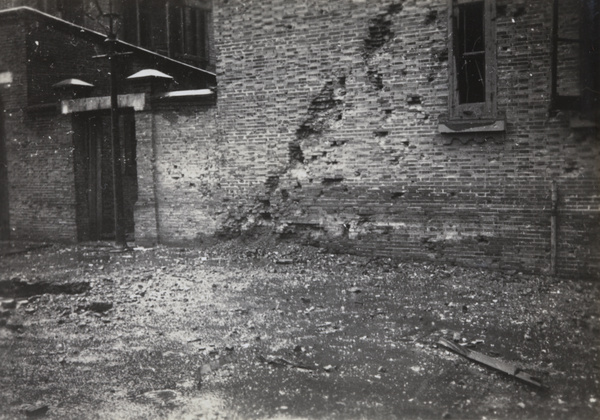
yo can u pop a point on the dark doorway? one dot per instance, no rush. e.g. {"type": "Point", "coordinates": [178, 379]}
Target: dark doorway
{"type": "Point", "coordinates": [4, 213]}
{"type": "Point", "coordinates": [94, 177]}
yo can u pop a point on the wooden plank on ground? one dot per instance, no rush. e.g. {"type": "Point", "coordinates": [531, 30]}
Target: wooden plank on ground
{"type": "Point", "coordinates": [491, 362]}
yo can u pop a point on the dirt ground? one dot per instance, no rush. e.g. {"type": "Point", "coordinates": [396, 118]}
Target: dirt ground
{"type": "Point", "coordinates": [279, 331]}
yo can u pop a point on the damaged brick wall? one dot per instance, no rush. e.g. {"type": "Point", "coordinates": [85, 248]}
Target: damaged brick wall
{"type": "Point", "coordinates": [330, 111]}
{"type": "Point", "coordinates": [326, 130]}
{"type": "Point", "coordinates": [180, 195]}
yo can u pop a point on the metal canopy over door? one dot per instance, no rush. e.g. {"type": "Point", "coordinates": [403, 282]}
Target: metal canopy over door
{"type": "Point", "coordinates": [94, 177]}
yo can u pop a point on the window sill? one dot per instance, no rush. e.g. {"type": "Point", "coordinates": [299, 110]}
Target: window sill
{"type": "Point", "coordinates": [471, 126]}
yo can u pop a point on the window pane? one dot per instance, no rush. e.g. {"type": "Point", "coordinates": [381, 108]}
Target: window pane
{"type": "Point", "coordinates": [190, 31]}
{"type": "Point", "coordinates": [201, 34]}
{"type": "Point", "coordinates": [471, 79]}
{"type": "Point", "coordinates": [470, 27]}
{"type": "Point", "coordinates": [470, 53]}
{"type": "Point", "coordinates": [130, 22]}
{"type": "Point", "coordinates": [175, 30]}
{"type": "Point", "coordinates": [145, 24]}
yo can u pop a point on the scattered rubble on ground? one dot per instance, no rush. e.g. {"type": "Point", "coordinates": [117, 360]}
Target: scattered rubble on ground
{"type": "Point", "coordinates": [242, 329]}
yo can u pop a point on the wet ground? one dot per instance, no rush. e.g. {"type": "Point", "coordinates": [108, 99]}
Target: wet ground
{"type": "Point", "coordinates": [268, 330]}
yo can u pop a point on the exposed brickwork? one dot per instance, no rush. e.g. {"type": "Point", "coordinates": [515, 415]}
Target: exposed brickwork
{"type": "Point", "coordinates": [326, 130]}
{"type": "Point", "coordinates": [146, 227]}
{"type": "Point", "coordinates": [187, 171]}
{"type": "Point", "coordinates": [329, 114]}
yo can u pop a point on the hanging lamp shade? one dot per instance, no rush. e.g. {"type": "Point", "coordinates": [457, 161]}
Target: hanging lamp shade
{"type": "Point", "coordinates": [149, 74]}
{"type": "Point", "coordinates": [72, 88]}
{"type": "Point", "coordinates": [150, 81]}
{"type": "Point", "coordinates": [72, 83]}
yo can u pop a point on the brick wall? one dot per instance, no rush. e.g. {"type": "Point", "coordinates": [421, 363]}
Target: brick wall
{"type": "Point", "coordinates": [328, 115]}
{"type": "Point", "coordinates": [178, 181]}
{"type": "Point", "coordinates": [38, 153]}
{"type": "Point", "coordinates": [39, 141]}
{"type": "Point", "coordinates": [40, 175]}
{"type": "Point", "coordinates": [326, 130]}
{"type": "Point", "coordinates": [47, 198]}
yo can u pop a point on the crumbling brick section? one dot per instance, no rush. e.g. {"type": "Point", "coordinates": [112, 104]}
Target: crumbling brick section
{"type": "Point", "coordinates": [380, 28]}
{"type": "Point", "coordinates": [324, 109]}
{"type": "Point", "coordinates": [360, 162]}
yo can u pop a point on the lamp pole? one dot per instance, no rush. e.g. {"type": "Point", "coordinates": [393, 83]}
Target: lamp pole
{"type": "Point", "coordinates": [117, 168]}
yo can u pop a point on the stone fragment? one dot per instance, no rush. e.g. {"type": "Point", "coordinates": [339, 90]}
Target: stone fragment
{"type": "Point", "coordinates": [99, 306]}
{"type": "Point", "coordinates": [9, 304]}
{"type": "Point", "coordinates": [205, 369]}
{"type": "Point", "coordinates": [37, 410]}
{"type": "Point", "coordinates": [163, 397]}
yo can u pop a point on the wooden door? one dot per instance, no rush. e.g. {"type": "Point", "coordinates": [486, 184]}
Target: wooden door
{"type": "Point", "coordinates": [94, 174]}
{"type": "Point", "coordinates": [100, 181]}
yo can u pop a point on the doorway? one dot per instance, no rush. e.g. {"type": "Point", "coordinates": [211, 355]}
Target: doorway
{"type": "Point", "coordinates": [94, 175]}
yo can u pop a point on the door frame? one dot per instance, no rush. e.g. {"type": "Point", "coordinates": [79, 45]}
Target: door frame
{"type": "Point", "coordinates": [90, 130]}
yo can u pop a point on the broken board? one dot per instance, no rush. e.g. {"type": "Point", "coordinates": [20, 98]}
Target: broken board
{"type": "Point", "coordinates": [488, 361]}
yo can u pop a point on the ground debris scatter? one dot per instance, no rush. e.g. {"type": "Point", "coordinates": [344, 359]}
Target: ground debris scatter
{"type": "Point", "coordinates": [264, 329]}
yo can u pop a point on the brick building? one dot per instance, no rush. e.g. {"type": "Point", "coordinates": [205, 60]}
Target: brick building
{"type": "Point", "coordinates": [446, 130]}
{"type": "Point", "coordinates": [56, 179]}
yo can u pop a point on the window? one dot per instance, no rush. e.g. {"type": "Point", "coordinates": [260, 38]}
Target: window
{"type": "Point", "coordinates": [71, 10]}
{"type": "Point", "coordinates": [177, 28]}
{"type": "Point", "coordinates": [188, 34]}
{"type": "Point", "coordinates": [472, 59]}
{"type": "Point", "coordinates": [144, 24]}
{"type": "Point", "coordinates": [575, 83]}
{"type": "Point", "coordinates": [470, 54]}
